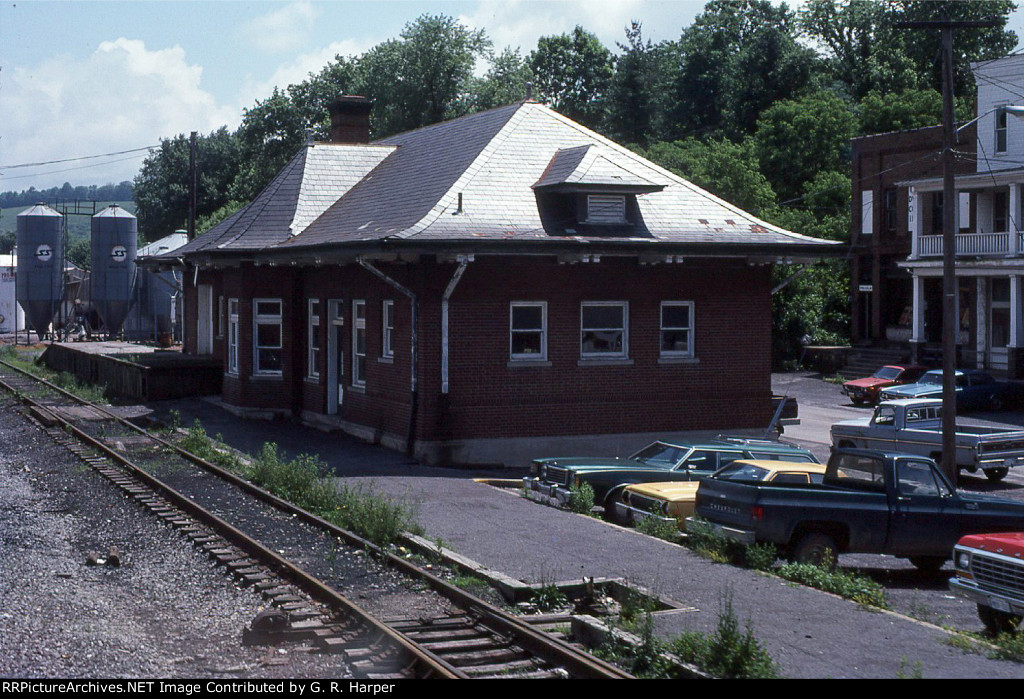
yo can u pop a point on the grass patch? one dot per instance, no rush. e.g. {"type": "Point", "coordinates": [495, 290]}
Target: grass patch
{"type": "Point", "coordinates": [856, 588]}
{"type": "Point", "coordinates": [1008, 646]}
{"type": "Point", "coordinates": [659, 529]}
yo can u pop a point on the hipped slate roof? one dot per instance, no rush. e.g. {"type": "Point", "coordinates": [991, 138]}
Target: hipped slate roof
{"type": "Point", "coordinates": [408, 188]}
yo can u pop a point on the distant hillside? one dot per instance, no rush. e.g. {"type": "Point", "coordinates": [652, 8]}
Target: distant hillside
{"type": "Point", "coordinates": [68, 192]}
{"type": "Point", "coordinates": [78, 225]}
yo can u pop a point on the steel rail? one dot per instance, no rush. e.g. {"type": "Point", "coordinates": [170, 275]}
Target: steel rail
{"type": "Point", "coordinates": [319, 591]}
{"type": "Point", "coordinates": [578, 663]}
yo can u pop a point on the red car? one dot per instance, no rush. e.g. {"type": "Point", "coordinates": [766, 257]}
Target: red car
{"type": "Point", "coordinates": [862, 391]}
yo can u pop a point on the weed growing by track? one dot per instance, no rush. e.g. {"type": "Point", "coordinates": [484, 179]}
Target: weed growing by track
{"type": "Point", "coordinates": [858, 588]}
{"type": "Point", "coordinates": [305, 482]}
{"type": "Point", "coordinates": [731, 652]}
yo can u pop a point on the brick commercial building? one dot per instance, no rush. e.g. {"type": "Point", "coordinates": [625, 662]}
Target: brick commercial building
{"type": "Point", "coordinates": [500, 286]}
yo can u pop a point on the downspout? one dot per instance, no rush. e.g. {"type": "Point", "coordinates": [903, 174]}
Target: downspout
{"type": "Point", "coordinates": [464, 261]}
{"type": "Point", "coordinates": [414, 389]}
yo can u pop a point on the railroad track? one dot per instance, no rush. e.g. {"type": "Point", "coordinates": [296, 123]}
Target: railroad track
{"type": "Point", "coordinates": [301, 564]}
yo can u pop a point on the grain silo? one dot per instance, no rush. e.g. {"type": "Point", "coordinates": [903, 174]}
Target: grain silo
{"type": "Point", "coordinates": [112, 277]}
{"type": "Point", "coordinates": [40, 270]}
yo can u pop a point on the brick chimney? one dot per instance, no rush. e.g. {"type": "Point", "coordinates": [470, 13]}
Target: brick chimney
{"type": "Point", "coordinates": [350, 119]}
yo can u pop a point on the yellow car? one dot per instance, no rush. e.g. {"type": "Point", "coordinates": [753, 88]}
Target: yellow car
{"type": "Point", "coordinates": [674, 501]}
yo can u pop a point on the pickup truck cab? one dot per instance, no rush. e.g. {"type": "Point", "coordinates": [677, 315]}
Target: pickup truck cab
{"type": "Point", "coordinates": [914, 426]}
{"type": "Point", "coordinates": [869, 502]}
{"type": "Point", "coordinates": [990, 573]}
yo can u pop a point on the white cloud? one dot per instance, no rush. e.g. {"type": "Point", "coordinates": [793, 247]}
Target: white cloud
{"type": "Point", "coordinates": [299, 68]}
{"type": "Point", "coordinates": [282, 30]}
{"type": "Point", "coordinates": [520, 23]}
{"type": "Point", "coordinates": [122, 96]}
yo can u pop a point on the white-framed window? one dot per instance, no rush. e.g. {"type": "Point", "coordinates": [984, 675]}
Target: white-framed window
{"type": "Point", "coordinates": [604, 329]}
{"type": "Point", "coordinates": [267, 336]}
{"type": "Point", "coordinates": [387, 329]}
{"type": "Point", "coordinates": [233, 336]}
{"type": "Point", "coordinates": [314, 340]}
{"type": "Point", "coordinates": [606, 208]}
{"type": "Point", "coordinates": [1001, 129]}
{"type": "Point", "coordinates": [359, 343]}
{"type": "Point", "coordinates": [528, 330]}
{"type": "Point", "coordinates": [677, 328]}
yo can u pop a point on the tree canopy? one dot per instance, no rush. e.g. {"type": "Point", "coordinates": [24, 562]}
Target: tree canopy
{"type": "Point", "coordinates": [754, 101]}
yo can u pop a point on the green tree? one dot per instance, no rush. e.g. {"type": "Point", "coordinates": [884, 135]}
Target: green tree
{"type": "Point", "coordinates": [162, 185]}
{"type": "Point", "coordinates": [728, 170]}
{"type": "Point", "coordinates": [797, 139]}
{"type": "Point", "coordinates": [736, 59]}
{"type": "Point", "coordinates": [866, 50]}
{"type": "Point", "coordinates": [424, 77]}
{"type": "Point", "coordinates": [574, 74]}
{"type": "Point", "coordinates": [504, 83]}
{"type": "Point", "coordinates": [640, 89]}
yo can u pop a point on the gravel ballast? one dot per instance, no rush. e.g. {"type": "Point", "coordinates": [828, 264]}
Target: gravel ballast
{"type": "Point", "coordinates": [166, 611]}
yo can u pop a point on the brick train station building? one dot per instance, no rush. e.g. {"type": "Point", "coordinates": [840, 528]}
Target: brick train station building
{"type": "Point", "coordinates": [501, 286]}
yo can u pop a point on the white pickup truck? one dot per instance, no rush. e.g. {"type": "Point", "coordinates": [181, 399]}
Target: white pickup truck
{"type": "Point", "coordinates": [914, 426]}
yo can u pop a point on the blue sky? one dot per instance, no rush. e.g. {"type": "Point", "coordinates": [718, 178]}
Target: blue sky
{"type": "Point", "coordinates": [89, 77]}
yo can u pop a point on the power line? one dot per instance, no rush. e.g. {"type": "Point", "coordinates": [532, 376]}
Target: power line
{"type": "Point", "coordinates": [84, 157]}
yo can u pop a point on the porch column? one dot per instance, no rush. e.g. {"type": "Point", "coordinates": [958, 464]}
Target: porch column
{"type": "Point", "coordinates": [914, 225]}
{"type": "Point", "coordinates": [981, 324]}
{"type": "Point", "coordinates": [917, 326]}
{"type": "Point", "coordinates": [1015, 224]}
{"type": "Point", "coordinates": [1016, 326]}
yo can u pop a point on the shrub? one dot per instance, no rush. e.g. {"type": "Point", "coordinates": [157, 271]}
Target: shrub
{"type": "Point", "coordinates": [581, 498]}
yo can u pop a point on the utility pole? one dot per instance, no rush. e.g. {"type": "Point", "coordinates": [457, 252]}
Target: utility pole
{"type": "Point", "coordinates": [950, 321]}
{"type": "Point", "coordinates": [192, 186]}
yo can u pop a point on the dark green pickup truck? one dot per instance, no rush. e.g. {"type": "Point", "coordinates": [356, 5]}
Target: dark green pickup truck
{"type": "Point", "coordinates": [660, 461]}
{"type": "Point", "coordinates": [869, 502]}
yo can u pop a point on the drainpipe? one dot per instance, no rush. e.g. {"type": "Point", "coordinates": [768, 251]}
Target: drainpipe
{"type": "Point", "coordinates": [463, 261]}
{"type": "Point", "coordinates": [414, 390]}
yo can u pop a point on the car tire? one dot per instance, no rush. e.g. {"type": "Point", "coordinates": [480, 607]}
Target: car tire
{"type": "Point", "coordinates": [996, 474]}
{"type": "Point", "coordinates": [928, 564]}
{"type": "Point", "coordinates": [997, 622]}
{"type": "Point", "coordinates": [610, 511]}
{"type": "Point", "coordinates": [817, 549]}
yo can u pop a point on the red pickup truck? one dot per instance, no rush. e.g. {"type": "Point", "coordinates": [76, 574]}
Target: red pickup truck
{"type": "Point", "coordinates": [990, 573]}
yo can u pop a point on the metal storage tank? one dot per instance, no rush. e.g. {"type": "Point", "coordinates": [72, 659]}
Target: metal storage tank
{"type": "Point", "coordinates": [112, 277]}
{"type": "Point", "coordinates": [40, 271]}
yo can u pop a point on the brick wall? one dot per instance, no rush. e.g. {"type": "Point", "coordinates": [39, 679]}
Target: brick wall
{"type": "Point", "coordinates": [726, 387]}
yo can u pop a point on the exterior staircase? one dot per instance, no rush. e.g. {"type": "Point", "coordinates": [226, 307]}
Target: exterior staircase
{"type": "Point", "coordinates": [865, 361]}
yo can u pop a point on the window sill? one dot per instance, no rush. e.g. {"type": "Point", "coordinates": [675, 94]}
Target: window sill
{"type": "Point", "coordinates": [268, 377]}
{"type": "Point", "coordinates": [357, 389]}
{"type": "Point", "coordinates": [678, 360]}
{"type": "Point", "coordinates": [622, 361]}
{"type": "Point", "coordinates": [385, 360]}
{"type": "Point", "coordinates": [312, 380]}
{"type": "Point", "coordinates": [527, 363]}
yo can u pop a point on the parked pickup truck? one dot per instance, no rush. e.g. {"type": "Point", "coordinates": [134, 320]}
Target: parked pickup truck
{"type": "Point", "coordinates": [990, 573]}
{"type": "Point", "coordinates": [914, 426]}
{"type": "Point", "coordinates": [868, 502]}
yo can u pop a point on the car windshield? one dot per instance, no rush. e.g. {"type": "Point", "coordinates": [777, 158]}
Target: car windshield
{"type": "Point", "coordinates": [739, 471]}
{"type": "Point", "coordinates": [660, 455]}
{"type": "Point", "coordinates": [931, 377]}
{"type": "Point", "coordinates": [888, 372]}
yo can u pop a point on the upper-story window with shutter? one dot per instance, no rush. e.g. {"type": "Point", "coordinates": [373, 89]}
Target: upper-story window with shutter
{"type": "Point", "coordinates": [606, 208]}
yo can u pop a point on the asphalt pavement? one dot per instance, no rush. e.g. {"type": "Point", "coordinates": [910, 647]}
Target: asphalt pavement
{"type": "Point", "coordinates": [809, 634]}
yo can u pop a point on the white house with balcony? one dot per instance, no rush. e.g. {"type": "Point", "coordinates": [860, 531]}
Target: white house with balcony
{"type": "Point", "coordinates": [989, 243]}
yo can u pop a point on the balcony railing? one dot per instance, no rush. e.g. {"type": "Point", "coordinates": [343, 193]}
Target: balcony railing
{"type": "Point", "coordinates": [974, 244]}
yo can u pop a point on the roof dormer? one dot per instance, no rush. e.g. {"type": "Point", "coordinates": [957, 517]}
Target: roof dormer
{"type": "Point", "coordinates": [584, 191]}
